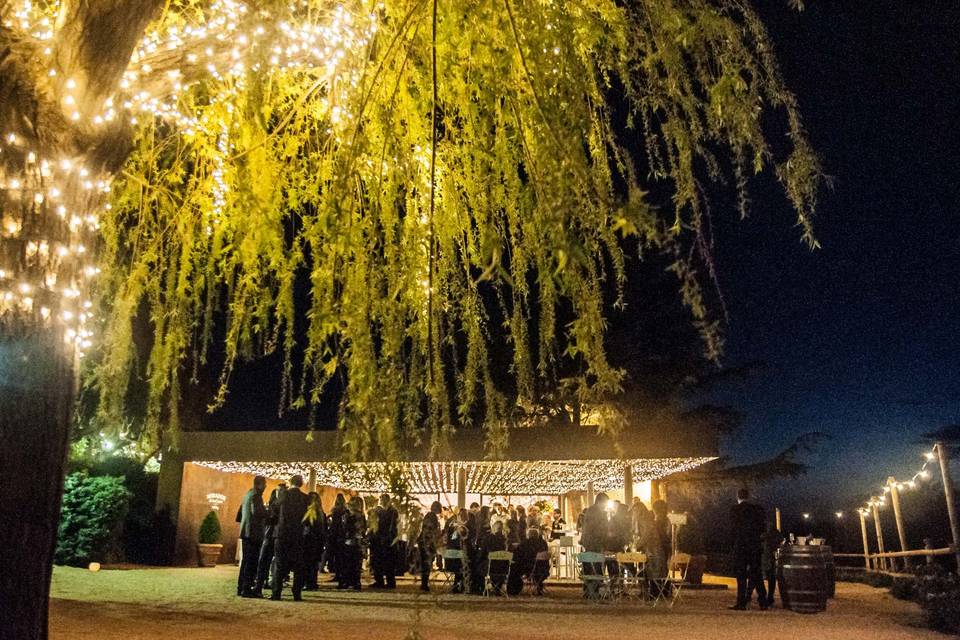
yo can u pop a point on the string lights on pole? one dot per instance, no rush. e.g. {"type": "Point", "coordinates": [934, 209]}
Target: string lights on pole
{"type": "Point", "coordinates": [880, 500]}
{"type": "Point", "coordinates": [531, 477]}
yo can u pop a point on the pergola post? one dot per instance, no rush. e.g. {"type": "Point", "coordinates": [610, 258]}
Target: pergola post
{"type": "Point", "coordinates": [944, 459]}
{"type": "Point", "coordinates": [898, 516]}
{"type": "Point", "coordinates": [776, 514]}
{"type": "Point", "coordinates": [628, 485]}
{"type": "Point", "coordinates": [312, 479]}
{"type": "Point", "coordinates": [881, 562]}
{"type": "Point", "coordinates": [461, 488]}
{"type": "Point", "coordinates": [591, 497]}
{"type": "Point", "coordinates": [866, 542]}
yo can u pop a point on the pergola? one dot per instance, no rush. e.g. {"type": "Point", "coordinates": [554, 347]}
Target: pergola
{"type": "Point", "coordinates": [562, 461]}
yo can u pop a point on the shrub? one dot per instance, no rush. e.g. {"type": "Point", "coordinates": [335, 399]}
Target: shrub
{"type": "Point", "coordinates": [938, 592]}
{"type": "Point", "coordinates": [210, 529]}
{"type": "Point", "coordinates": [904, 588]}
{"type": "Point", "coordinates": [91, 517]}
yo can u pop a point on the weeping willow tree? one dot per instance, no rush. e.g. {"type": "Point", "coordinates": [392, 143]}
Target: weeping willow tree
{"type": "Point", "coordinates": [440, 178]}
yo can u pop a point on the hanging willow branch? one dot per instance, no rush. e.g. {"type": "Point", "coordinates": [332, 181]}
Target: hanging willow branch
{"type": "Point", "coordinates": [548, 125]}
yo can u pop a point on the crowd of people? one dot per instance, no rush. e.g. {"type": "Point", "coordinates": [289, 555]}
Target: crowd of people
{"type": "Point", "coordinates": [290, 534]}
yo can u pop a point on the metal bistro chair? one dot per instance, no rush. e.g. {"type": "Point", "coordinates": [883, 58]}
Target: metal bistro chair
{"type": "Point", "coordinates": [669, 588]}
{"type": "Point", "coordinates": [450, 576]}
{"type": "Point", "coordinates": [504, 560]}
{"type": "Point", "coordinates": [541, 564]}
{"type": "Point", "coordinates": [633, 575]}
{"type": "Point", "coordinates": [596, 584]}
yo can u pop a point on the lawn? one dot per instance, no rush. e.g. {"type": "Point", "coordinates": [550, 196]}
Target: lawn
{"type": "Point", "coordinates": [198, 604]}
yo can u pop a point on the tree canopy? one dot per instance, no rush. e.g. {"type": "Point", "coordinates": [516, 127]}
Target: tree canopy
{"type": "Point", "coordinates": [386, 191]}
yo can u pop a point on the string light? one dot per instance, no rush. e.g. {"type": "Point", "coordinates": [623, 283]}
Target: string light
{"type": "Point", "coordinates": [880, 500]}
{"type": "Point", "coordinates": [539, 477]}
{"type": "Point", "coordinates": [57, 271]}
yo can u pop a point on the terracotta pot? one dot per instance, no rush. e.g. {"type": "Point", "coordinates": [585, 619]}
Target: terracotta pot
{"type": "Point", "coordinates": [208, 554]}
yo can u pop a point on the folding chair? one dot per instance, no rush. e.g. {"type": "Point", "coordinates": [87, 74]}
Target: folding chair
{"type": "Point", "coordinates": [668, 589]}
{"type": "Point", "coordinates": [633, 574]}
{"type": "Point", "coordinates": [596, 585]}
{"type": "Point", "coordinates": [504, 560]}
{"type": "Point", "coordinates": [450, 576]}
{"type": "Point", "coordinates": [541, 564]}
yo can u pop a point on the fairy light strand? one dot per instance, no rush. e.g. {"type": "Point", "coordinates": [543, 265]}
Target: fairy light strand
{"type": "Point", "coordinates": [540, 477]}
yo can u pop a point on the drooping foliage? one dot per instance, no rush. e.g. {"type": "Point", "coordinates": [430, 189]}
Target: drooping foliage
{"type": "Point", "coordinates": [467, 178]}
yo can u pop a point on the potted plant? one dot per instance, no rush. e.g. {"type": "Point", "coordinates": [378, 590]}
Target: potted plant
{"type": "Point", "coordinates": [208, 547]}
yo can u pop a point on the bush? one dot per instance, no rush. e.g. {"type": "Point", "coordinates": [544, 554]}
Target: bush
{"type": "Point", "coordinates": [210, 529]}
{"type": "Point", "coordinates": [91, 518]}
{"type": "Point", "coordinates": [938, 592]}
{"type": "Point", "coordinates": [904, 588]}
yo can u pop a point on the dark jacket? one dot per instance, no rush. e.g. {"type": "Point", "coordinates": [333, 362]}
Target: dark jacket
{"type": "Point", "coordinates": [291, 506]}
{"type": "Point", "coordinates": [253, 516]}
{"type": "Point", "coordinates": [748, 527]}
{"type": "Point", "coordinates": [315, 535]}
{"type": "Point", "coordinates": [388, 521]}
{"type": "Point", "coordinates": [595, 529]}
{"type": "Point", "coordinates": [354, 528]}
{"type": "Point", "coordinates": [429, 534]}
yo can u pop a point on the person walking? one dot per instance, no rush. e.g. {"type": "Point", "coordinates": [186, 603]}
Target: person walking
{"type": "Point", "coordinates": [748, 531]}
{"type": "Point", "coordinates": [253, 519]}
{"type": "Point", "coordinates": [383, 540]}
{"type": "Point", "coordinates": [291, 508]}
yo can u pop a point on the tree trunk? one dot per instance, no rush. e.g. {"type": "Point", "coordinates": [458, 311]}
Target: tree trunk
{"type": "Point", "coordinates": [36, 396]}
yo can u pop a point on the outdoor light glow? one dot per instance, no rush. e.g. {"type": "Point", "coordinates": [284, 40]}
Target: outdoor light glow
{"type": "Point", "coordinates": [806, 516]}
{"type": "Point", "coordinates": [543, 477]}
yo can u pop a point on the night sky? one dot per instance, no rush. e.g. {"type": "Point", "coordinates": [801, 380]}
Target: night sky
{"type": "Point", "coordinates": [860, 339]}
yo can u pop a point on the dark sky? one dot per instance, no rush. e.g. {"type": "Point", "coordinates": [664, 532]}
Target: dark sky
{"type": "Point", "coordinates": [861, 339]}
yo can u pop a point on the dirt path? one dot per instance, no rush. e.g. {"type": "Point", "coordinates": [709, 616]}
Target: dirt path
{"type": "Point", "coordinates": [196, 604]}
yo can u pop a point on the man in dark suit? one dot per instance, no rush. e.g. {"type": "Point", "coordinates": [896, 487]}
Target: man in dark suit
{"type": "Point", "coordinates": [385, 521]}
{"type": "Point", "coordinates": [748, 530]}
{"type": "Point", "coordinates": [291, 508]}
{"type": "Point", "coordinates": [253, 517]}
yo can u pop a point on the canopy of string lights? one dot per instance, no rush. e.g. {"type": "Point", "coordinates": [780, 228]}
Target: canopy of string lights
{"type": "Point", "coordinates": [527, 477]}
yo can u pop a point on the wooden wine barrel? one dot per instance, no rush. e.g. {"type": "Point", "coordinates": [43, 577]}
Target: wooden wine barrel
{"type": "Point", "coordinates": [803, 580]}
{"type": "Point", "coordinates": [827, 553]}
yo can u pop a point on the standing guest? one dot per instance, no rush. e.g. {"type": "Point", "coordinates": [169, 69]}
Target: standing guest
{"type": "Point", "coordinates": [595, 525]}
{"type": "Point", "coordinates": [594, 539]}
{"type": "Point", "coordinates": [641, 520]}
{"type": "Point", "coordinates": [513, 530]}
{"type": "Point", "coordinates": [748, 530]}
{"type": "Point", "coordinates": [657, 545]}
{"type": "Point", "coordinates": [456, 537]}
{"type": "Point", "coordinates": [291, 508]}
{"type": "Point", "coordinates": [473, 574]}
{"type": "Point", "coordinates": [253, 521]}
{"type": "Point", "coordinates": [266, 565]}
{"type": "Point", "coordinates": [772, 540]}
{"type": "Point", "coordinates": [556, 525]}
{"type": "Point", "coordinates": [499, 514]}
{"type": "Point", "coordinates": [354, 529]}
{"type": "Point", "coordinates": [522, 518]}
{"type": "Point", "coordinates": [427, 542]}
{"type": "Point", "coordinates": [314, 538]}
{"type": "Point", "coordinates": [525, 564]}
{"type": "Point", "coordinates": [334, 547]}
{"type": "Point", "coordinates": [620, 528]}
{"type": "Point", "coordinates": [382, 544]}
{"type": "Point", "coordinates": [533, 517]}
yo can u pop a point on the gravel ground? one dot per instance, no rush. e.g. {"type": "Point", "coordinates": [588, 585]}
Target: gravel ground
{"type": "Point", "coordinates": [197, 604]}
